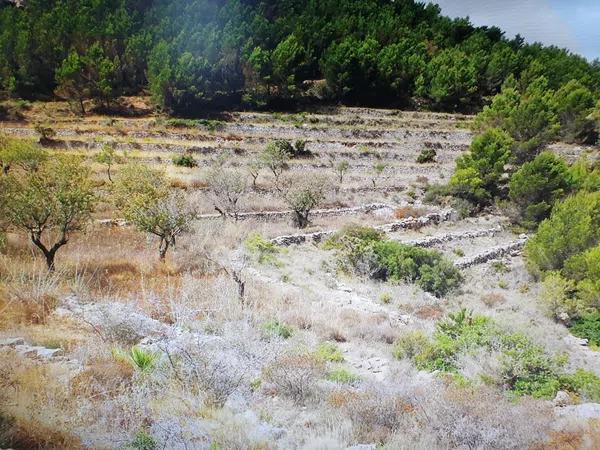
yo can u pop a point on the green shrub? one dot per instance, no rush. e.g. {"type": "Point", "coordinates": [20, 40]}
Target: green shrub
{"type": "Point", "coordinates": [585, 175]}
{"type": "Point", "coordinates": [364, 251]}
{"type": "Point", "coordinates": [574, 103]}
{"type": "Point", "coordinates": [264, 249]}
{"type": "Point", "coordinates": [466, 183]}
{"type": "Point", "coordinates": [143, 441]}
{"type": "Point", "coordinates": [428, 268]}
{"type": "Point", "coordinates": [537, 185]}
{"type": "Point", "coordinates": [329, 352]}
{"type": "Point", "coordinates": [141, 359]}
{"type": "Point", "coordinates": [588, 327]}
{"type": "Point", "coordinates": [276, 328]}
{"type": "Point", "coordinates": [585, 383]}
{"type": "Point", "coordinates": [181, 123]}
{"type": "Point", "coordinates": [556, 295]}
{"type": "Point", "coordinates": [360, 233]}
{"type": "Point", "coordinates": [427, 155]}
{"type": "Point", "coordinates": [209, 124]}
{"type": "Point", "coordinates": [185, 160]}
{"type": "Point", "coordinates": [385, 298]}
{"type": "Point", "coordinates": [342, 376]}
{"type": "Point", "coordinates": [410, 344]}
{"type": "Point", "coordinates": [525, 368]}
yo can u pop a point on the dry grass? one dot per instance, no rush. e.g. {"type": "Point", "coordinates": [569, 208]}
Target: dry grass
{"type": "Point", "coordinates": [405, 212]}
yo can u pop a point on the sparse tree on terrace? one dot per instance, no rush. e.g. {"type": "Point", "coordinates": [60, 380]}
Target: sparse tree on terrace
{"type": "Point", "coordinates": [378, 169]}
{"type": "Point", "coordinates": [254, 169]}
{"type": "Point", "coordinates": [275, 158]}
{"type": "Point", "coordinates": [341, 168]}
{"type": "Point", "coordinates": [303, 195]}
{"type": "Point", "coordinates": [144, 197]}
{"type": "Point", "coordinates": [19, 153]}
{"type": "Point", "coordinates": [108, 156]}
{"type": "Point", "coordinates": [227, 187]}
{"type": "Point", "coordinates": [50, 203]}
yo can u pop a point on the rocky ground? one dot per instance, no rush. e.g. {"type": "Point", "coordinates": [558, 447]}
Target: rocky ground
{"type": "Point", "coordinates": [257, 374]}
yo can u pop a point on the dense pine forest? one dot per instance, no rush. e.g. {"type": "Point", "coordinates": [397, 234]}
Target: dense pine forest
{"type": "Point", "coordinates": [191, 55]}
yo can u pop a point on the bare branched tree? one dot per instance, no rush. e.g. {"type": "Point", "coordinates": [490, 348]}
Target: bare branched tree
{"type": "Point", "coordinates": [227, 187]}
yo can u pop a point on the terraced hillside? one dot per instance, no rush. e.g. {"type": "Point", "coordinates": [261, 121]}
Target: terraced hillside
{"type": "Point", "coordinates": [253, 335]}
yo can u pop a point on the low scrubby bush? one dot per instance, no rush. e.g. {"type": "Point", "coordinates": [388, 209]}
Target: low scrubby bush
{"type": "Point", "coordinates": [264, 249]}
{"type": "Point", "coordinates": [329, 352]}
{"type": "Point", "coordinates": [588, 327]}
{"type": "Point", "coordinates": [364, 251]}
{"type": "Point", "coordinates": [427, 155]}
{"type": "Point", "coordinates": [295, 376]}
{"type": "Point", "coordinates": [525, 368]}
{"type": "Point", "coordinates": [276, 328]}
{"type": "Point", "coordinates": [185, 160]}
{"type": "Point", "coordinates": [342, 376]}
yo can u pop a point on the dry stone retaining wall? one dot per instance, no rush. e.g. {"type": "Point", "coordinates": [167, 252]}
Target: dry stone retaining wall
{"type": "Point", "coordinates": [412, 223]}
{"type": "Point", "coordinates": [493, 253]}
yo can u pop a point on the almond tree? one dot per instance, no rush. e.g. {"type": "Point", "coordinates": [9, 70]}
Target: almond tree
{"type": "Point", "coordinates": [303, 195]}
{"type": "Point", "coordinates": [49, 203]}
{"type": "Point", "coordinates": [143, 196]}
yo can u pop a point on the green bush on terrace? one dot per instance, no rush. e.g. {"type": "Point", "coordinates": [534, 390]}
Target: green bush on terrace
{"type": "Point", "coordinates": [525, 368]}
{"type": "Point", "coordinates": [365, 251]}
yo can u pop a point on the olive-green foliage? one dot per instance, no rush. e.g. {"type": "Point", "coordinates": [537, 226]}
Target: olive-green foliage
{"type": "Point", "coordinates": [585, 175]}
{"type": "Point", "coordinates": [275, 157]}
{"type": "Point", "coordinates": [49, 203]}
{"type": "Point", "coordinates": [557, 296]}
{"type": "Point", "coordinates": [209, 124]}
{"type": "Point", "coordinates": [525, 368]}
{"type": "Point", "coordinates": [142, 194]}
{"type": "Point", "coordinates": [329, 352]}
{"type": "Point", "coordinates": [364, 251]}
{"type": "Point", "coordinates": [20, 153]}
{"type": "Point", "coordinates": [410, 344]}
{"type": "Point", "coordinates": [185, 160]}
{"type": "Point", "coordinates": [109, 157]}
{"type": "Point", "coordinates": [342, 376]}
{"type": "Point", "coordinates": [588, 327]}
{"type": "Point", "coordinates": [450, 79]}
{"type": "Point", "coordinates": [276, 328]}
{"type": "Point", "coordinates": [428, 268]}
{"type": "Point", "coordinates": [537, 185]}
{"type": "Point", "coordinates": [466, 184]}
{"type": "Point", "coordinates": [264, 249]}
{"type": "Point", "coordinates": [427, 155]}
{"type": "Point", "coordinates": [143, 441]}
{"type": "Point", "coordinates": [479, 172]}
{"type": "Point", "coordinates": [574, 104]}
{"type": "Point", "coordinates": [572, 228]}
{"type": "Point", "coordinates": [302, 195]}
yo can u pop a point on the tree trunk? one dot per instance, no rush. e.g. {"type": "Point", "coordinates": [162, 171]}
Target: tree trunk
{"type": "Point", "coordinates": [108, 173]}
{"type": "Point", "coordinates": [81, 106]}
{"type": "Point", "coordinates": [162, 249]}
{"type": "Point", "coordinates": [301, 219]}
{"type": "Point", "coordinates": [49, 253]}
{"type": "Point", "coordinates": [240, 284]}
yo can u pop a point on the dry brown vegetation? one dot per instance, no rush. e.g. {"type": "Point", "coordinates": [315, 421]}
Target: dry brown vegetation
{"type": "Point", "coordinates": [222, 370]}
